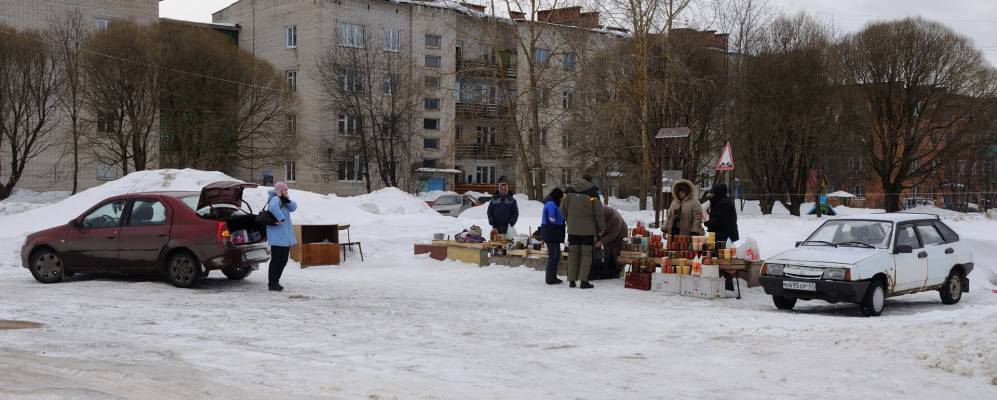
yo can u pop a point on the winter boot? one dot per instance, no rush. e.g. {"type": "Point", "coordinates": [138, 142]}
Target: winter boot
{"type": "Point", "coordinates": [586, 285]}
{"type": "Point", "coordinates": [555, 282]}
{"type": "Point", "coordinates": [276, 288]}
{"type": "Point", "coordinates": [571, 284]}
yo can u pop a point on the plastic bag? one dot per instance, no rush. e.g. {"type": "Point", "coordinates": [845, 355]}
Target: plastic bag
{"type": "Point", "coordinates": [747, 249]}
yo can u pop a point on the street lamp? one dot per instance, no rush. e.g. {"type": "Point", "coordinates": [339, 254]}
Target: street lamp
{"type": "Point", "coordinates": [660, 138]}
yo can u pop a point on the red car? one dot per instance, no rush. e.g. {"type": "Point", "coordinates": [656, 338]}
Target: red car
{"type": "Point", "coordinates": [181, 234]}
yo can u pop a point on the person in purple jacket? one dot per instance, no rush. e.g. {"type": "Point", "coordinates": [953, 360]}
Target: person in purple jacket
{"type": "Point", "coordinates": [552, 232]}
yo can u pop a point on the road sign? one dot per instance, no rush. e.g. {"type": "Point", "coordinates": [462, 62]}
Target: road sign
{"type": "Point", "coordinates": [726, 162]}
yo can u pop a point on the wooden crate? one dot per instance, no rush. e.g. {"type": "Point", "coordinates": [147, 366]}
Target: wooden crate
{"type": "Point", "coordinates": [436, 252]}
{"type": "Point", "coordinates": [313, 254]}
{"type": "Point", "coordinates": [471, 255]}
{"type": "Point", "coordinates": [313, 234]}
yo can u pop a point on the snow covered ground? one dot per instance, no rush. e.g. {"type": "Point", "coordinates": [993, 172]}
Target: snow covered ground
{"type": "Point", "coordinates": [399, 326]}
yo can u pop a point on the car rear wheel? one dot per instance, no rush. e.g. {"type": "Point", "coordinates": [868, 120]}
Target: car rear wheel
{"type": "Point", "coordinates": [783, 302]}
{"type": "Point", "coordinates": [951, 291]}
{"type": "Point", "coordinates": [184, 270]}
{"type": "Point", "coordinates": [875, 300]}
{"type": "Point", "coordinates": [47, 266]}
{"type": "Point", "coordinates": [237, 273]}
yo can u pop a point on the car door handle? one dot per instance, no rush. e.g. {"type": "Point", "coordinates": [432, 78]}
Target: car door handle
{"type": "Point", "coordinates": [162, 235]}
{"type": "Point", "coordinates": [923, 254]}
{"type": "Point", "coordinates": [949, 251]}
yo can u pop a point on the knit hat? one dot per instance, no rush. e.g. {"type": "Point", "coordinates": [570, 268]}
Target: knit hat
{"type": "Point", "coordinates": [475, 230]}
{"type": "Point", "coordinates": [280, 187]}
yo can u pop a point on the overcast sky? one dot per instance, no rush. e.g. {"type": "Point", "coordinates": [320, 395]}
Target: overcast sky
{"type": "Point", "coordinates": [974, 18]}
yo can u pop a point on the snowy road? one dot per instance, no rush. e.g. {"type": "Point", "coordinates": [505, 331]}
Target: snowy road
{"type": "Point", "coordinates": [422, 329]}
{"type": "Point", "coordinates": [404, 327]}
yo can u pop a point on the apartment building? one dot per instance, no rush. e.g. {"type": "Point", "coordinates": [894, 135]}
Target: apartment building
{"type": "Point", "coordinates": [464, 139]}
{"type": "Point", "coordinates": [52, 169]}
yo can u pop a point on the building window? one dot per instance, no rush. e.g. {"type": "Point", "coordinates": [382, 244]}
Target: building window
{"type": "Point", "coordinates": [107, 172]}
{"type": "Point", "coordinates": [291, 36]}
{"type": "Point", "coordinates": [543, 97]}
{"type": "Point", "coordinates": [543, 137]}
{"type": "Point", "coordinates": [962, 167]}
{"type": "Point", "coordinates": [292, 80]}
{"type": "Point", "coordinates": [570, 61]}
{"type": "Point", "coordinates": [431, 144]}
{"type": "Point", "coordinates": [567, 99]}
{"type": "Point", "coordinates": [429, 163]}
{"type": "Point", "coordinates": [432, 124]}
{"type": "Point", "coordinates": [434, 41]}
{"type": "Point", "coordinates": [392, 41]}
{"type": "Point", "coordinates": [351, 81]}
{"type": "Point", "coordinates": [433, 61]}
{"type": "Point", "coordinates": [566, 176]}
{"type": "Point", "coordinates": [292, 124]}
{"type": "Point", "coordinates": [485, 135]}
{"type": "Point", "coordinates": [351, 35]}
{"type": "Point", "coordinates": [485, 175]}
{"type": "Point", "coordinates": [390, 85]}
{"type": "Point", "coordinates": [859, 191]}
{"type": "Point", "coordinates": [346, 125]}
{"type": "Point", "coordinates": [432, 82]}
{"type": "Point", "coordinates": [291, 171]}
{"type": "Point", "coordinates": [349, 170]}
{"type": "Point", "coordinates": [103, 23]}
{"type": "Point", "coordinates": [541, 56]}
{"type": "Point", "coordinates": [565, 140]}
{"type": "Point", "coordinates": [431, 104]}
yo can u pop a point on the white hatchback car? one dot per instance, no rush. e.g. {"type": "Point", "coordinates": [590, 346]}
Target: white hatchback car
{"type": "Point", "coordinates": [864, 259]}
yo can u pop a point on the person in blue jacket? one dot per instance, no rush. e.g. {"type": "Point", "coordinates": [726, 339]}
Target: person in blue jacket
{"type": "Point", "coordinates": [503, 211]}
{"type": "Point", "coordinates": [552, 232]}
{"type": "Point", "coordinates": [280, 236]}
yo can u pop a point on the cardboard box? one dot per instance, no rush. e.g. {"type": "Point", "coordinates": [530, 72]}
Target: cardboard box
{"type": "Point", "coordinates": [666, 283]}
{"type": "Point", "coordinates": [469, 255]}
{"type": "Point", "coordinates": [313, 254]}
{"type": "Point", "coordinates": [711, 288]}
{"type": "Point", "coordinates": [710, 271]}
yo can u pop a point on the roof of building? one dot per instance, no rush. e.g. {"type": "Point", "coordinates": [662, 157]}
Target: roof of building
{"type": "Point", "coordinates": [217, 25]}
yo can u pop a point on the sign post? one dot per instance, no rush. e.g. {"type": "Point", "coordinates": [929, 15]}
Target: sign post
{"type": "Point", "coordinates": [726, 162]}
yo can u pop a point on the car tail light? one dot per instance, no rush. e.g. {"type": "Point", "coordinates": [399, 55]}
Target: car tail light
{"type": "Point", "coordinates": [223, 233]}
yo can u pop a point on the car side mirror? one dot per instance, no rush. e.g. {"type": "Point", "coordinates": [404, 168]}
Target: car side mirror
{"type": "Point", "coordinates": [75, 223]}
{"type": "Point", "coordinates": [798, 243]}
{"type": "Point", "coordinates": [903, 249]}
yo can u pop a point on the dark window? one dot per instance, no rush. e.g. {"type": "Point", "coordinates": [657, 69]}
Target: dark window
{"type": "Point", "coordinates": [433, 61]}
{"type": "Point", "coordinates": [432, 82]}
{"type": "Point", "coordinates": [432, 104]}
{"type": "Point", "coordinates": [431, 143]}
{"type": "Point", "coordinates": [947, 233]}
{"type": "Point", "coordinates": [907, 236]}
{"type": "Point", "coordinates": [429, 163]}
{"type": "Point", "coordinates": [930, 235]}
{"type": "Point", "coordinates": [147, 212]}
{"type": "Point", "coordinates": [434, 41]}
{"type": "Point", "coordinates": [431, 124]}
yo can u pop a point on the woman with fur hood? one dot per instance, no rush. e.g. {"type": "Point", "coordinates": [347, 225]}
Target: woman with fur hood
{"type": "Point", "coordinates": [685, 215]}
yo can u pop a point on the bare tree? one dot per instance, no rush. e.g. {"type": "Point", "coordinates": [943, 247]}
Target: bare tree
{"type": "Point", "coordinates": [220, 106]}
{"type": "Point", "coordinates": [122, 95]}
{"type": "Point", "coordinates": [67, 35]}
{"type": "Point", "coordinates": [911, 77]}
{"type": "Point", "coordinates": [370, 83]}
{"type": "Point", "coordinates": [782, 109]}
{"type": "Point", "coordinates": [29, 84]}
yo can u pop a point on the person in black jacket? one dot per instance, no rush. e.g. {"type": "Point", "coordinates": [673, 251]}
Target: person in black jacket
{"type": "Point", "coordinates": [503, 211]}
{"type": "Point", "coordinates": [723, 215]}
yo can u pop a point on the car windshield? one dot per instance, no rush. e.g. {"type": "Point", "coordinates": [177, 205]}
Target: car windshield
{"type": "Point", "coordinates": [217, 211]}
{"type": "Point", "coordinates": [852, 233]}
{"type": "Point", "coordinates": [447, 201]}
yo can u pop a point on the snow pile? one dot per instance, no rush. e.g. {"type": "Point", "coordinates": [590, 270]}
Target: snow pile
{"type": "Point", "coordinates": [21, 200]}
{"type": "Point", "coordinates": [391, 200]}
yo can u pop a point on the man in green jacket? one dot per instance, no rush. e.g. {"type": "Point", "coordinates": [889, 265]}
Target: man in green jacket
{"type": "Point", "coordinates": [583, 214]}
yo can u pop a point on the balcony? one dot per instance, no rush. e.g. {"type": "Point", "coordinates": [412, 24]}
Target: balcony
{"type": "Point", "coordinates": [483, 151]}
{"type": "Point", "coordinates": [486, 68]}
{"type": "Point", "coordinates": [480, 110]}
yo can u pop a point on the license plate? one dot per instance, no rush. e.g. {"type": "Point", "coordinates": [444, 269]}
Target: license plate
{"type": "Point", "coordinates": [256, 254]}
{"type": "Point", "coordinates": [794, 285]}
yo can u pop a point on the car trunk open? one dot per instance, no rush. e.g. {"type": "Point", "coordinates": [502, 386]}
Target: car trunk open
{"type": "Point", "coordinates": [222, 201]}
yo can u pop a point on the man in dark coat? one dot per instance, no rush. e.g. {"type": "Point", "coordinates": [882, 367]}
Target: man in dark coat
{"type": "Point", "coordinates": [503, 211]}
{"type": "Point", "coordinates": [723, 215]}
